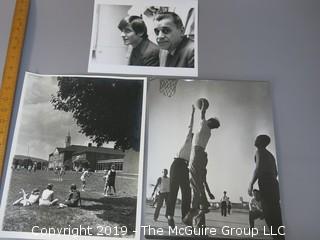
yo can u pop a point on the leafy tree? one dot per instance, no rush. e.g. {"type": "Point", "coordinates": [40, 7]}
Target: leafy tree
{"type": "Point", "coordinates": [104, 109]}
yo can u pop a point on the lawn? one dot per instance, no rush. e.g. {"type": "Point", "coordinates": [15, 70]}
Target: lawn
{"type": "Point", "coordinates": [96, 209]}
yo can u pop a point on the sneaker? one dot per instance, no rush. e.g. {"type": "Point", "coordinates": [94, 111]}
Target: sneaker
{"type": "Point", "coordinates": [197, 219]}
{"type": "Point", "coordinates": [187, 220]}
{"type": "Point", "coordinates": [171, 222]}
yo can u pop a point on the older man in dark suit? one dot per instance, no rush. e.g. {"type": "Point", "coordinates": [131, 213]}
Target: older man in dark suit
{"type": "Point", "coordinates": [134, 33]}
{"type": "Point", "coordinates": [170, 37]}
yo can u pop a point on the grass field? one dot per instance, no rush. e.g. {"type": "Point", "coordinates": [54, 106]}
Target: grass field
{"type": "Point", "coordinates": [96, 210]}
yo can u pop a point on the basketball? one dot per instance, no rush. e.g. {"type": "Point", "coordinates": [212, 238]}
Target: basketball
{"type": "Point", "coordinates": [204, 101]}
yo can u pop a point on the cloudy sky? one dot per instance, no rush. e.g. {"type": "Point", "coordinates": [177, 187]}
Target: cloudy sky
{"type": "Point", "coordinates": [40, 127]}
{"type": "Point", "coordinates": [244, 111]}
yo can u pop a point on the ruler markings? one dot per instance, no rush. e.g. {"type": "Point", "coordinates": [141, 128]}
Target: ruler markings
{"type": "Point", "coordinates": [11, 72]}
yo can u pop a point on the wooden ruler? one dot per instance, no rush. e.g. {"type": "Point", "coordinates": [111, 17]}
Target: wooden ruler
{"type": "Point", "coordinates": [11, 72]}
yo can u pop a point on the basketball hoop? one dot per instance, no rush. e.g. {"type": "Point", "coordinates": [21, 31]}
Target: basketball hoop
{"type": "Point", "coordinates": [168, 87]}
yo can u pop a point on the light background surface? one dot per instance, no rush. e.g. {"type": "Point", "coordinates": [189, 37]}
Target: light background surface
{"type": "Point", "coordinates": [271, 40]}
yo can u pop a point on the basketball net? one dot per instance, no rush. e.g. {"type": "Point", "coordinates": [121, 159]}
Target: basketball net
{"type": "Point", "coordinates": [168, 87]}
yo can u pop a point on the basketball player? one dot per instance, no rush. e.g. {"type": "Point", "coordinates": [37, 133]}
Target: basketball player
{"type": "Point", "coordinates": [179, 177]}
{"type": "Point", "coordinates": [266, 173]}
{"type": "Point", "coordinates": [164, 187]}
{"type": "Point", "coordinates": [198, 171]}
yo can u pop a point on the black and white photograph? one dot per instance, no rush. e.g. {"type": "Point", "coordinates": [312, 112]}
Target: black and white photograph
{"type": "Point", "coordinates": [213, 143]}
{"type": "Point", "coordinates": [75, 160]}
{"type": "Point", "coordinates": [145, 37]}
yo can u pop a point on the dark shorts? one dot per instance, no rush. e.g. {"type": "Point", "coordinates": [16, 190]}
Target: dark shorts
{"type": "Point", "coordinates": [110, 183]}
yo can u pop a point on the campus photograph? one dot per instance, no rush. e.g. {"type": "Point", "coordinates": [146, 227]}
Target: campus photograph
{"type": "Point", "coordinates": [76, 158]}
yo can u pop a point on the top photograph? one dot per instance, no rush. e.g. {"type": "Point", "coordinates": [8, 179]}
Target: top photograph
{"type": "Point", "coordinates": [147, 37]}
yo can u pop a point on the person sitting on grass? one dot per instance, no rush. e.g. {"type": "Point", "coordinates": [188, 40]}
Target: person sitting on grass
{"type": "Point", "coordinates": [73, 198]}
{"type": "Point", "coordinates": [47, 198]}
{"type": "Point", "coordinates": [26, 200]}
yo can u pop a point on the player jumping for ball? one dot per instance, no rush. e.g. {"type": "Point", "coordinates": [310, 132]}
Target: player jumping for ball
{"type": "Point", "coordinates": [179, 177]}
{"type": "Point", "coordinates": [198, 170]}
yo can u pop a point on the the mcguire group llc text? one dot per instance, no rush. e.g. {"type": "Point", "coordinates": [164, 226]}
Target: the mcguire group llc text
{"type": "Point", "coordinates": [211, 231]}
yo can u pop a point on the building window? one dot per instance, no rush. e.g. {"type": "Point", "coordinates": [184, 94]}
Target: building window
{"type": "Point", "coordinates": [107, 166]}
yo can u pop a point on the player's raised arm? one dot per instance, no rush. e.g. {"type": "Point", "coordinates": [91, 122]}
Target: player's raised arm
{"type": "Point", "coordinates": [203, 110]}
{"type": "Point", "coordinates": [191, 120]}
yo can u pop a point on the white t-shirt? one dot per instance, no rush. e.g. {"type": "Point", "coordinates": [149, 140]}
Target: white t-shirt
{"type": "Point", "coordinates": [84, 175]}
{"type": "Point", "coordinates": [202, 137]}
{"type": "Point", "coordinates": [47, 195]}
{"type": "Point", "coordinates": [33, 198]}
{"type": "Point", "coordinates": [165, 185]}
{"type": "Point", "coordinates": [224, 199]}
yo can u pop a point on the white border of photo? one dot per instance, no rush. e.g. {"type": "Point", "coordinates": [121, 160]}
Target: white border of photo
{"type": "Point", "coordinates": [96, 67]}
{"type": "Point", "coordinates": [30, 235]}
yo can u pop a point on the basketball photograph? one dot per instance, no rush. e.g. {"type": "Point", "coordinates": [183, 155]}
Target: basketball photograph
{"type": "Point", "coordinates": [213, 143]}
{"type": "Point", "coordinates": [75, 161]}
{"type": "Point", "coordinates": [148, 37]}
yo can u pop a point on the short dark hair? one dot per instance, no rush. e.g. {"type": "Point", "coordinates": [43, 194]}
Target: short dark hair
{"type": "Point", "coordinates": [73, 186]}
{"type": "Point", "coordinates": [50, 186]}
{"type": "Point", "coordinates": [213, 123]}
{"type": "Point", "coordinates": [262, 141]}
{"type": "Point", "coordinates": [171, 15]}
{"type": "Point", "coordinates": [136, 23]}
{"type": "Point", "coordinates": [35, 190]}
